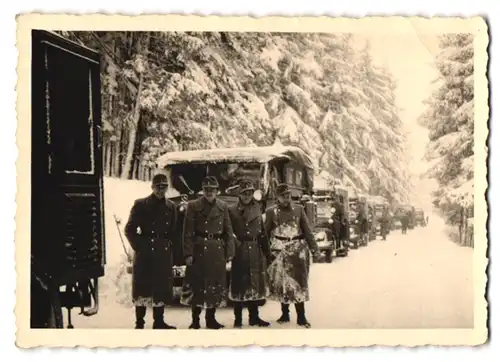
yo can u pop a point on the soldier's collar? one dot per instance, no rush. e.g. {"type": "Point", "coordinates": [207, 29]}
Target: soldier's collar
{"type": "Point", "coordinates": [241, 205]}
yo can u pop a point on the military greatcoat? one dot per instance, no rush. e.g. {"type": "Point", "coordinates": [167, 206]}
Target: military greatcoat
{"type": "Point", "coordinates": [248, 272]}
{"type": "Point", "coordinates": [150, 231]}
{"type": "Point", "coordinates": [208, 239]}
{"type": "Point", "coordinates": [292, 242]}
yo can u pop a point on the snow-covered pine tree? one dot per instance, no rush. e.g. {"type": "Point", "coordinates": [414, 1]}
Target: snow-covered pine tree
{"type": "Point", "coordinates": [385, 142]}
{"type": "Point", "coordinates": [218, 89]}
{"type": "Point", "coordinates": [450, 118]}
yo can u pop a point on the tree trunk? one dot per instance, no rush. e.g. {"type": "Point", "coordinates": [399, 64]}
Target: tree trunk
{"type": "Point", "coordinates": [132, 134]}
{"type": "Point", "coordinates": [107, 160]}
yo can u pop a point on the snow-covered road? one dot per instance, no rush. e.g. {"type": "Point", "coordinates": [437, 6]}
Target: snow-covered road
{"type": "Point", "coordinates": [418, 280]}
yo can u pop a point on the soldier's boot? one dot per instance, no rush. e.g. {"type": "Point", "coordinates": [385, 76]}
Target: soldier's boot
{"type": "Point", "coordinates": [210, 321]}
{"type": "Point", "coordinates": [159, 323]}
{"type": "Point", "coordinates": [238, 311]}
{"type": "Point", "coordinates": [301, 315]}
{"type": "Point", "coordinates": [254, 319]}
{"type": "Point", "coordinates": [285, 314]}
{"type": "Point", "coordinates": [195, 315]}
{"type": "Point", "coordinates": [140, 313]}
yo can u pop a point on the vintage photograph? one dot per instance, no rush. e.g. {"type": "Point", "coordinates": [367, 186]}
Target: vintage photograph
{"type": "Point", "coordinates": [282, 179]}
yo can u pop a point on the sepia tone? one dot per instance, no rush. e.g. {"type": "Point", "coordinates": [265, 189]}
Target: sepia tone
{"type": "Point", "coordinates": [386, 115]}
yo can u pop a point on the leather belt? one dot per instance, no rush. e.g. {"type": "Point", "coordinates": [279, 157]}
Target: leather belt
{"type": "Point", "coordinates": [284, 238]}
{"type": "Point", "coordinates": [209, 235]}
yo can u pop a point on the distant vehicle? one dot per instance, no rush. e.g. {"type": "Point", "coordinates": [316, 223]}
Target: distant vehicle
{"type": "Point", "coordinates": [356, 237]}
{"type": "Point", "coordinates": [404, 209]}
{"type": "Point", "coordinates": [380, 204]}
{"type": "Point", "coordinates": [420, 218]}
{"type": "Point", "coordinates": [67, 210]}
{"type": "Point", "coordinates": [327, 243]}
{"type": "Point", "coordinates": [266, 166]}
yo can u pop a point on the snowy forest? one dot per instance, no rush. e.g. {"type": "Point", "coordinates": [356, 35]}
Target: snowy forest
{"type": "Point", "coordinates": [449, 116]}
{"type": "Point", "coordinates": [171, 91]}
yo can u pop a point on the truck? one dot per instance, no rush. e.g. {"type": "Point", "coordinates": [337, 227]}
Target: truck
{"type": "Point", "coordinates": [266, 166]}
{"type": "Point", "coordinates": [68, 253]}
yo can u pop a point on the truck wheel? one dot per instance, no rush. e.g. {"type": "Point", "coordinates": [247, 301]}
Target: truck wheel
{"type": "Point", "coordinates": [329, 256]}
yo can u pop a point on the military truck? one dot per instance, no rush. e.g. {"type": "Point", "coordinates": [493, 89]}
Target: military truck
{"type": "Point", "coordinates": [67, 210]}
{"type": "Point", "coordinates": [266, 166]}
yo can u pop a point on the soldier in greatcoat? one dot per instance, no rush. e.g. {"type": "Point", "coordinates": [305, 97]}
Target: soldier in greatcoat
{"type": "Point", "coordinates": [208, 247]}
{"type": "Point", "coordinates": [248, 273]}
{"type": "Point", "coordinates": [362, 220]}
{"type": "Point", "coordinates": [292, 242]}
{"type": "Point", "coordinates": [339, 217]}
{"type": "Point", "coordinates": [150, 232]}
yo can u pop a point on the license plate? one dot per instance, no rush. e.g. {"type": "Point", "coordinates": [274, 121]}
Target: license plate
{"type": "Point", "coordinates": [178, 272]}
{"type": "Point", "coordinates": [177, 291]}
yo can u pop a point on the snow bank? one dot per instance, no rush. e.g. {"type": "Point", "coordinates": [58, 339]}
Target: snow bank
{"type": "Point", "coordinates": [119, 197]}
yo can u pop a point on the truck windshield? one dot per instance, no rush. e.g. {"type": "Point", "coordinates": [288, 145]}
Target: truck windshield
{"type": "Point", "coordinates": [324, 208]}
{"type": "Point", "coordinates": [187, 178]}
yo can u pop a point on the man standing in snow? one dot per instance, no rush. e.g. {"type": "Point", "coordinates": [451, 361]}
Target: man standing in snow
{"type": "Point", "coordinates": [362, 222]}
{"type": "Point", "coordinates": [385, 223]}
{"type": "Point", "coordinates": [249, 266]}
{"type": "Point", "coordinates": [405, 220]}
{"type": "Point", "coordinates": [208, 246]}
{"type": "Point", "coordinates": [339, 218]}
{"type": "Point", "coordinates": [292, 240]}
{"type": "Point", "coordinates": [150, 232]}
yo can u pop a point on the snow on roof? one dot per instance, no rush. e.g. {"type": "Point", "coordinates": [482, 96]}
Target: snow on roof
{"type": "Point", "coordinates": [236, 154]}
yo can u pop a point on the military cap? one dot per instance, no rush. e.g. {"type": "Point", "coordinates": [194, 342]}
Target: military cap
{"type": "Point", "coordinates": [210, 182]}
{"type": "Point", "coordinates": [160, 179]}
{"type": "Point", "coordinates": [282, 189]}
{"type": "Point", "coordinates": [246, 185]}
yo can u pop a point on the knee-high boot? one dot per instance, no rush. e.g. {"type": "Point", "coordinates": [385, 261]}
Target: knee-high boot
{"type": "Point", "coordinates": [238, 314]}
{"type": "Point", "coordinates": [159, 323]}
{"type": "Point", "coordinates": [254, 319]}
{"type": "Point", "coordinates": [211, 322]}
{"type": "Point", "coordinates": [140, 313]}
{"type": "Point", "coordinates": [285, 313]}
{"type": "Point", "coordinates": [301, 315]}
{"type": "Point", "coordinates": [195, 316]}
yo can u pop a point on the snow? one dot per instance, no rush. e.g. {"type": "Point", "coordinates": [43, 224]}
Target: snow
{"type": "Point", "coordinates": [419, 280]}
{"type": "Point", "coordinates": [259, 154]}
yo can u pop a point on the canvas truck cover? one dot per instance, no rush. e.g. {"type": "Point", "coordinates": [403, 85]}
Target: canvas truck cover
{"type": "Point", "coordinates": [241, 154]}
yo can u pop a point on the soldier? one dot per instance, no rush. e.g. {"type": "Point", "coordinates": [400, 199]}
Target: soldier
{"type": "Point", "coordinates": [384, 223]}
{"type": "Point", "coordinates": [292, 240]}
{"type": "Point", "coordinates": [362, 221]}
{"type": "Point", "coordinates": [208, 246]}
{"type": "Point", "coordinates": [405, 219]}
{"type": "Point", "coordinates": [150, 230]}
{"type": "Point", "coordinates": [249, 266]}
{"type": "Point", "coordinates": [339, 217]}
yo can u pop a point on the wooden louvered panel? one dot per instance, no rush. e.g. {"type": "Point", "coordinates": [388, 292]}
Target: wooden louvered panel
{"type": "Point", "coordinates": [82, 231]}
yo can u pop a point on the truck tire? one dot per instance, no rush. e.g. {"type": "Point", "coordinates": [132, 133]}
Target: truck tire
{"type": "Point", "coordinates": [329, 256]}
